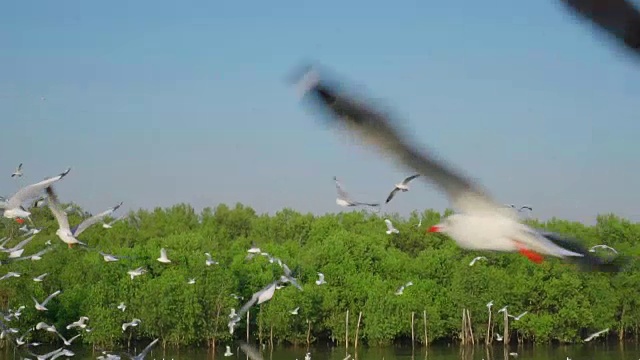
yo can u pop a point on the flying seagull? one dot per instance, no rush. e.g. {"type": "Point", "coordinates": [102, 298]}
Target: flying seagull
{"type": "Point", "coordinates": [67, 234]}
{"type": "Point", "coordinates": [163, 256]}
{"type": "Point", "coordinates": [481, 223]}
{"type": "Point", "coordinates": [525, 207]}
{"type": "Point", "coordinates": [516, 318]}
{"type": "Point", "coordinates": [18, 172]}
{"type": "Point", "coordinates": [144, 352]}
{"type": "Point", "coordinates": [133, 323]}
{"type": "Point", "coordinates": [13, 207]}
{"type": "Point", "coordinates": [209, 261]}
{"type": "Point", "coordinates": [40, 278]}
{"type": "Point", "coordinates": [403, 186]}
{"type": "Point", "coordinates": [390, 228]}
{"type": "Point", "coordinates": [265, 294]}
{"type": "Point", "coordinates": [294, 311]}
{"type": "Point", "coordinates": [228, 352]}
{"type": "Point", "coordinates": [343, 198]}
{"type": "Point", "coordinates": [593, 248]}
{"type": "Point", "coordinates": [476, 259]}
{"type": "Point", "coordinates": [41, 306]}
{"type": "Point", "coordinates": [136, 272]}
{"type": "Point", "coordinates": [400, 290]}
{"type": "Point", "coordinates": [122, 306]}
{"type": "Point", "coordinates": [320, 280]}
{"type": "Point", "coordinates": [619, 18]}
{"type": "Point", "coordinates": [595, 335]}
{"type": "Point", "coordinates": [110, 224]}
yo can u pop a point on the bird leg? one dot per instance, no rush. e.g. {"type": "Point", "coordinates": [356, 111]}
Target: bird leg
{"type": "Point", "coordinates": [530, 254]}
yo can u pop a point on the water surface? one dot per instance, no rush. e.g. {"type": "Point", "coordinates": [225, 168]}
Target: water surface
{"type": "Point", "coordinates": [573, 352]}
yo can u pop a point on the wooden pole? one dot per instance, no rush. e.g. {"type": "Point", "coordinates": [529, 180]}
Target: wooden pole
{"type": "Point", "coordinates": [464, 323]}
{"type": "Point", "coordinates": [489, 337]}
{"type": "Point", "coordinates": [260, 327]}
{"type": "Point", "coordinates": [505, 337]}
{"type": "Point", "coordinates": [424, 317]}
{"type": "Point", "coordinates": [248, 314]}
{"type": "Point", "coordinates": [271, 337]}
{"type": "Point", "coordinates": [355, 341]}
{"type": "Point", "coordinates": [308, 333]}
{"type": "Point", "coordinates": [473, 341]}
{"type": "Point", "coordinates": [346, 331]}
{"type": "Point", "coordinates": [413, 337]}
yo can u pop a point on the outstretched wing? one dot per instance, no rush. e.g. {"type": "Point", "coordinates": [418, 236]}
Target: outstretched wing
{"type": "Point", "coordinates": [391, 195]}
{"type": "Point", "coordinates": [408, 179]}
{"type": "Point", "coordinates": [58, 213]}
{"type": "Point", "coordinates": [94, 220]}
{"type": "Point", "coordinates": [389, 224]}
{"type": "Point", "coordinates": [33, 190]}
{"type": "Point", "coordinates": [147, 349]}
{"type": "Point", "coordinates": [342, 194]}
{"type": "Point", "coordinates": [50, 297]}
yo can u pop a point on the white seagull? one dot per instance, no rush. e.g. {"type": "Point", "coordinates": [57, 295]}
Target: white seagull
{"type": "Point", "coordinates": [595, 335]}
{"type": "Point", "coordinates": [232, 314]}
{"type": "Point", "coordinates": [110, 225]}
{"type": "Point", "coordinates": [134, 322]}
{"type": "Point", "coordinates": [516, 318]}
{"type": "Point", "coordinates": [320, 280]}
{"type": "Point", "coordinates": [265, 294]}
{"type": "Point", "coordinates": [228, 352]}
{"type": "Point", "coordinates": [67, 234]}
{"type": "Point", "coordinates": [18, 172]}
{"type": "Point", "coordinates": [191, 281]}
{"type": "Point", "coordinates": [503, 309]}
{"type": "Point", "coordinates": [82, 323]}
{"type": "Point", "coordinates": [41, 306]}
{"type": "Point", "coordinates": [144, 352]}
{"type": "Point", "coordinates": [40, 278]}
{"type": "Point", "coordinates": [390, 228]}
{"type": "Point", "coordinates": [108, 257]}
{"type": "Point", "coordinates": [593, 248]}
{"type": "Point", "coordinates": [476, 259]}
{"type": "Point", "coordinates": [68, 342]}
{"type": "Point", "coordinates": [10, 274]}
{"type": "Point", "coordinates": [209, 261]}
{"type": "Point", "coordinates": [122, 306]}
{"type": "Point", "coordinates": [163, 256]}
{"type": "Point", "coordinates": [136, 272]}
{"type": "Point", "coordinates": [403, 186]}
{"type": "Point", "coordinates": [400, 290]}
{"type": "Point", "coordinates": [294, 311]}
{"type": "Point", "coordinates": [343, 198]}
{"type": "Point", "coordinates": [13, 207]}
{"type": "Point", "coordinates": [481, 223]}
{"type": "Point", "coordinates": [489, 304]}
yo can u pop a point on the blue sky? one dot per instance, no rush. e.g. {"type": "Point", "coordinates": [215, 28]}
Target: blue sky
{"type": "Point", "coordinates": [157, 102]}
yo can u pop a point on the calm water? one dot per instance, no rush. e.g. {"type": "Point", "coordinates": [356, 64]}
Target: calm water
{"type": "Point", "coordinates": [575, 352]}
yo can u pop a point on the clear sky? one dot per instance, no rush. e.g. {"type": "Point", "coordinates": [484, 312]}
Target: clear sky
{"type": "Point", "coordinates": [159, 102]}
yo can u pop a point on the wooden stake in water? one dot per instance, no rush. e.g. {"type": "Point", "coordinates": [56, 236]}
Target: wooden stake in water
{"type": "Point", "coordinates": [505, 336]}
{"type": "Point", "coordinates": [463, 331]}
{"type": "Point", "coordinates": [424, 317]}
{"type": "Point", "coordinates": [248, 313]}
{"type": "Point", "coordinates": [355, 341]}
{"type": "Point", "coordinates": [346, 331]}
{"type": "Point", "coordinates": [271, 337]}
{"type": "Point", "coordinates": [473, 341]}
{"type": "Point", "coordinates": [413, 337]}
{"type": "Point", "coordinates": [308, 334]}
{"type": "Point", "coordinates": [489, 337]}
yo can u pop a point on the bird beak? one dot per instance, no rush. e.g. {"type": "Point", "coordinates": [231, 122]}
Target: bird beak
{"type": "Point", "coordinates": [435, 229]}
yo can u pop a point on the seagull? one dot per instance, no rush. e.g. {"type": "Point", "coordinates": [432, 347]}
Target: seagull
{"type": "Point", "coordinates": [265, 294]}
{"type": "Point", "coordinates": [593, 248]}
{"type": "Point", "coordinates": [254, 250]}
{"type": "Point", "coordinates": [498, 337]}
{"type": "Point", "coordinates": [344, 200]}
{"type": "Point", "coordinates": [134, 322]}
{"type": "Point", "coordinates": [110, 225]}
{"type": "Point", "coordinates": [191, 281]}
{"type": "Point", "coordinates": [65, 233]}
{"type": "Point", "coordinates": [595, 335]}
{"type": "Point", "coordinates": [122, 306]}
{"type": "Point", "coordinates": [9, 275]}
{"type": "Point", "coordinates": [294, 311]}
{"type": "Point", "coordinates": [68, 342]}
{"type": "Point", "coordinates": [400, 290]}
{"type": "Point", "coordinates": [163, 257]}
{"type": "Point", "coordinates": [144, 352]}
{"type": "Point", "coordinates": [41, 307]}
{"type": "Point", "coordinates": [514, 354]}
{"type": "Point", "coordinates": [503, 309]}
{"type": "Point", "coordinates": [489, 304]}
{"type": "Point", "coordinates": [237, 297]}
{"type": "Point", "coordinates": [516, 318]}
{"type": "Point", "coordinates": [18, 172]}
{"type": "Point", "coordinates": [108, 257]}
{"type": "Point", "coordinates": [209, 260]}
{"type": "Point", "coordinates": [419, 223]}
{"type": "Point", "coordinates": [46, 356]}
{"type": "Point", "coordinates": [476, 259]}
{"type": "Point", "coordinates": [526, 207]}
{"type": "Point", "coordinates": [403, 186]}
{"type": "Point", "coordinates": [136, 272]}
{"type": "Point", "coordinates": [481, 223]}
{"type": "Point", "coordinates": [320, 280]}
{"type": "Point", "coordinates": [44, 326]}
{"type": "Point", "coordinates": [80, 323]}
{"type": "Point", "coordinates": [228, 352]}
{"type": "Point", "coordinates": [619, 18]}
{"type": "Point", "coordinates": [38, 256]}
{"type": "Point", "coordinates": [232, 314]}
{"type": "Point", "coordinates": [13, 207]}
{"type": "Point", "coordinates": [390, 228]}
{"type": "Point", "coordinates": [39, 278]}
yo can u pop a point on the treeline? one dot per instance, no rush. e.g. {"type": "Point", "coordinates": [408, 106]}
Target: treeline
{"type": "Point", "coordinates": [363, 267]}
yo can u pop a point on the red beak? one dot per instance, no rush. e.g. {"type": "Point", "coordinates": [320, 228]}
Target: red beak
{"type": "Point", "coordinates": [434, 228]}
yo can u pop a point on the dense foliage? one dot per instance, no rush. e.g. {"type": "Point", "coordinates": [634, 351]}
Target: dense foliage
{"type": "Point", "coordinates": [363, 267]}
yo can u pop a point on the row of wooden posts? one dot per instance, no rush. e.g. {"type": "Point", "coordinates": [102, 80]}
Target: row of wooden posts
{"type": "Point", "coordinates": [466, 336]}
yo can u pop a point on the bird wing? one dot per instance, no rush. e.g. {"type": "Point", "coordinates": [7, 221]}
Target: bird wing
{"type": "Point", "coordinates": [33, 190]}
{"type": "Point", "coordinates": [58, 213]}
{"type": "Point", "coordinates": [163, 253]}
{"type": "Point", "coordinates": [250, 351]}
{"type": "Point", "coordinates": [267, 293]}
{"type": "Point", "coordinates": [342, 194]}
{"type": "Point", "coordinates": [21, 244]}
{"type": "Point", "coordinates": [321, 275]}
{"type": "Point", "coordinates": [389, 224]}
{"type": "Point", "coordinates": [20, 167]}
{"type": "Point", "coordinates": [94, 220]}
{"type": "Point", "coordinates": [408, 179]}
{"type": "Point", "coordinates": [50, 297]}
{"type": "Point", "coordinates": [147, 349]}
{"type": "Point", "coordinates": [377, 129]}
{"type": "Point", "coordinates": [391, 195]}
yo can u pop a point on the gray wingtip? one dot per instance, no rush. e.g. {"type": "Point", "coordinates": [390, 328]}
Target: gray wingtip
{"type": "Point", "coordinates": [64, 173]}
